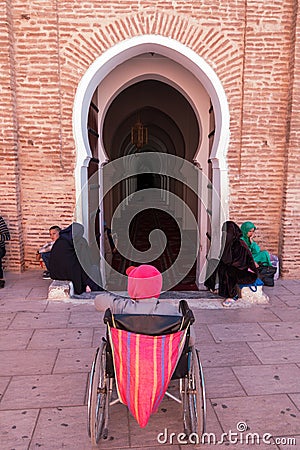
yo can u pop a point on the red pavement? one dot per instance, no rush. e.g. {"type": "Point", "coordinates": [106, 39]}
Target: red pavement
{"type": "Point", "coordinates": [251, 359]}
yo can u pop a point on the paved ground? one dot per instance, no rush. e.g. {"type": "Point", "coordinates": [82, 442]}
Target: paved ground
{"type": "Point", "coordinates": [251, 359]}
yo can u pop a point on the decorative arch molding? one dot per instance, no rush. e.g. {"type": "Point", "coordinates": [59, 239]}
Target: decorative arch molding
{"type": "Point", "coordinates": [171, 49]}
{"type": "Point", "coordinates": [194, 64]}
{"type": "Point", "coordinates": [218, 52]}
{"type": "Point", "coordinates": [219, 49]}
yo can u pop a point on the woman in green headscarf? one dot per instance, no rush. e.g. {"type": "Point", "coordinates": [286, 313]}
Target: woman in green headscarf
{"type": "Point", "coordinates": [259, 256]}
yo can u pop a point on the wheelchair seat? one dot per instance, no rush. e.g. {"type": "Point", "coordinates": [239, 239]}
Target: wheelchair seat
{"type": "Point", "coordinates": [152, 325]}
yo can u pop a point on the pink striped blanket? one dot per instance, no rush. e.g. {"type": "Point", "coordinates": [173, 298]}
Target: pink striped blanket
{"type": "Point", "coordinates": [143, 368]}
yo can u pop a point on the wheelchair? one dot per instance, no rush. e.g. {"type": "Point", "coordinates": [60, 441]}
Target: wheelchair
{"type": "Point", "coordinates": [188, 372]}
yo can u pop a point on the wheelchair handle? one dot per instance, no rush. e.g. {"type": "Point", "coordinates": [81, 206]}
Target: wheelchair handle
{"type": "Point", "coordinates": [186, 311]}
{"type": "Point", "coordinates": [107, 319]}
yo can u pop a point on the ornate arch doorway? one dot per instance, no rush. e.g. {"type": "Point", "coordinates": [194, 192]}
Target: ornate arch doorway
{"type": "Point", "coordinates": [182, 103]}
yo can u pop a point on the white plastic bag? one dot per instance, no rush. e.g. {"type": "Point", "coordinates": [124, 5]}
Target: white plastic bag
{"type": "Point", "coordinates": [252, 296]}
{"type": "Point", "coordinates": [275, 263]}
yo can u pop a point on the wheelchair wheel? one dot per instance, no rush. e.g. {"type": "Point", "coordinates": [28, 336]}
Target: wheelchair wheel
{"type": "Point", "coordinates": [98, 397]}
{"type": "Point", "coordinates": [195, 402]}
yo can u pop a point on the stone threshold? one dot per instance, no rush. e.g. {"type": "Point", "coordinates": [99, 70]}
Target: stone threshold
{"type": "Point", "coordinates": [60, 290]}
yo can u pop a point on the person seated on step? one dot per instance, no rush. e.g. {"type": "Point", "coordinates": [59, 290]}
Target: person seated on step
{"type": "Point", "coordinates": [72, 259]}
{"type": "Point", "coordinates": [4, 236]}
{"type": "Point", "coordinates": [261, 257]}
{"type": "Point", "coordinates": [144, 288]}
{"type": "Point", "coordinates": [44, 252]}
{"type": "Point", "coordinates": [236, 264]}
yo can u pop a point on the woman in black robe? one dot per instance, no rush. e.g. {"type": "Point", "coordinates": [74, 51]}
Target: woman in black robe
{"type": "Point", "coordinates": [236, 264]}
{"type": "Point", "coordinates": [71, 260]}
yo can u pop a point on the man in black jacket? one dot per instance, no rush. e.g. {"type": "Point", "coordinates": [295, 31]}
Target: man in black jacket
{"type": "Point", "coordinates": [71, 259]}
{"type": "Point", "coordinates": [4, 236]}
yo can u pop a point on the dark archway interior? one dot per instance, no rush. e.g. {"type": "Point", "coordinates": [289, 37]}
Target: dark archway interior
{"type": "Point", "coordinates": [173, 129]}
{"type": "Point", "coordinates": [170, 119]}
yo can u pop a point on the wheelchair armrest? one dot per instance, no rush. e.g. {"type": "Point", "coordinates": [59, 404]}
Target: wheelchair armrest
{"type": "Point", "coordinates": [186, 311]}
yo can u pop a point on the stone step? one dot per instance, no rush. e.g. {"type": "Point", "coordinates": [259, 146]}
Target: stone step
{"type": "Point", "coordinates": [59, 289]}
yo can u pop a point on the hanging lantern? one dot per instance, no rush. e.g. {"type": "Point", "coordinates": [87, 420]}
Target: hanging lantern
{"type": "Point", "coordinates": [139, 134]}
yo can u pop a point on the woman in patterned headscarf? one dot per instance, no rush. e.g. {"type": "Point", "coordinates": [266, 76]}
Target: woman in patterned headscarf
{"type": "Point", "coordinates": [260, 256]}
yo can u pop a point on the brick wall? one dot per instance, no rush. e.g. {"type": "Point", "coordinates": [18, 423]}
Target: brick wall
{"type": "Point", "coordinates": [289, 239]}
{"type": "Point", "coordinates": [46, 168]}
{"type": "Point", "coordinates": [9, 145]}
{"type": "Point", "coordinates": [260, 156]}
{"type": "Point", "coordinates": [52, 44]}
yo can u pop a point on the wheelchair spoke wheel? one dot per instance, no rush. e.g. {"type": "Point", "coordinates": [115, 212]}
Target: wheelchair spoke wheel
{"type": "Point", "coordinates": [98, 397]}
{"type": "Point", "coordinates": [196, 395]}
